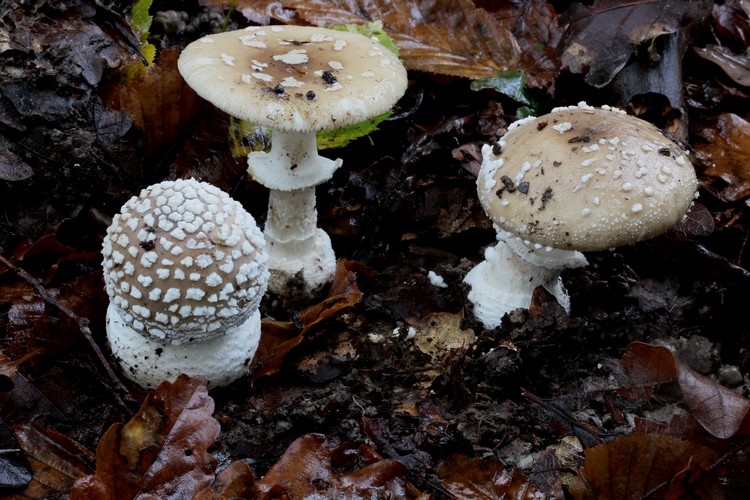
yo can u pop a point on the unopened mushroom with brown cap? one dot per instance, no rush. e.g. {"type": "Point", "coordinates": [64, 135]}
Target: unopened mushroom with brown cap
{"type": "Point", "coordinates": [297, 80]}
{"type": "Point", "coordinates": [185, 269]}
{"type": "Point", "coordinates": [575, 180]}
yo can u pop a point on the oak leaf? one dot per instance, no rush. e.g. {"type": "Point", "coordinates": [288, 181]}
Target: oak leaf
{"type": "Point", "coordinates": [718, 409]}
{"type": "Point", "coordinates": [162, 452]}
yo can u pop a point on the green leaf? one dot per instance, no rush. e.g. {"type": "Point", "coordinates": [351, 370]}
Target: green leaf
{"type": "Point", "coordinates": [340, 137]}
{"type": "Point", "coordinates": [373, 28]}
{"type": "Point", "coordinates": [140, 19]}
{"type": "Point", "coordinates": [511, 83]}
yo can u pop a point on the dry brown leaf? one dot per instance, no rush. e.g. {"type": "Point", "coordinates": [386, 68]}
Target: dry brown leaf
{"type": "Point", "coordinates": [280, 337]}
{"type": "Point", "coordinates": [719, 410]}
{"type": "Point", "coordinates": [56, 460]}
{"type": "Point", "coordinates": [162, 452]}
{"type": "Point", "coordinates": [451, 37]}
{"type": "Point", "coordinates": [640, 466]}
{"type": "Point", "coordinates": [468, 478]}
{"type": "Point", "coordinates": [727, 154]}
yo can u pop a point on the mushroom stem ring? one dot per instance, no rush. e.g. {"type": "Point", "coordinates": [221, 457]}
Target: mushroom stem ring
{"type": "Point", "coordinates": [298, 251]}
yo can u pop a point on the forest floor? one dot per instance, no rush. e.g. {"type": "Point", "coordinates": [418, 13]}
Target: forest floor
{"type": "Point", "coordinates": [388, 387]}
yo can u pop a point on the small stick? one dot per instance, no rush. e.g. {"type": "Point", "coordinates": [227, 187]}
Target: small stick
{"type": "Point", "coordinates": [83, 323]}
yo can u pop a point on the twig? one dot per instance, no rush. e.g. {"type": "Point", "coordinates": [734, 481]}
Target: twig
{"type": "Point", "coordinates": [83, 324]}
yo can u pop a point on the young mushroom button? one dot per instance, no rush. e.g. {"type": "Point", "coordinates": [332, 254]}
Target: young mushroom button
{"type": "Point", "coordinates": [577, 179]}
{"type": "Point", "coordinates": [185, 269]}
{"type": "Point", "coordinates": [297, 80]}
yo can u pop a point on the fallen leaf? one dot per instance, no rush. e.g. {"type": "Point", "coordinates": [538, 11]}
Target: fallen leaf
{"type": "Point", "coordinates": [639, 466]}
{"type": "Point", "coordinates": [602, 37]}
{"type": "Point", "coordinates": [162, 452]}
{"type": "Point", "coordinates": [307, 469]}
{"type": "Point", "coordinates": [718, 409]}
{"type": "Point", "coordinates": [235, 481]}
{"type": "Point", "coordinates": [451, 37]}
{"type": "Point", "coordinates": [727, 155]}
{"type": "Point", "coordinates": [736, 66]}
{"type": "Point", "coordinates": [468, 478]}
{"type": "Point", "coordinates": [56, 461]}
{"type": "Point", "coordinates": [280, 337]}
{"type": "Point", "coordinates": [158, 101]}
{"type": "Point", "coordinates": [15, 471]}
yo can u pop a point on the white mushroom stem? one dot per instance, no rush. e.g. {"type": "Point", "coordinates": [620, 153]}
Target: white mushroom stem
{"type": "Point", "coordinates": [510, 273]}
{"type": "Point", "coordinates": [148, 361]}
{"type": "Point", "coordinates": [297, 249]}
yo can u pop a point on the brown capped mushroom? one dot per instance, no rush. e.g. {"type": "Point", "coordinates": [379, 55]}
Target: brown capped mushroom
{"type": "Point", "coordinates": [574, 180]}
{"type": "Point", "coordinates": [297, 80]}
{"type": "Point", "coordinates": [185, 269]}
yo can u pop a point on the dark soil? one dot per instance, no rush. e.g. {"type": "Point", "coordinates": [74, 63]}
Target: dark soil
{"type": "Point", "coordinates": [403, 204]}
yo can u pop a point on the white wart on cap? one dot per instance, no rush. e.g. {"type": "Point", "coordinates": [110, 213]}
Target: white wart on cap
{"type": "Point", "coordinates": [585, 178]}
{"type": "Point", "coordinates": [183, 264]}
{"type": "Point", "coordinates": [295, 78]}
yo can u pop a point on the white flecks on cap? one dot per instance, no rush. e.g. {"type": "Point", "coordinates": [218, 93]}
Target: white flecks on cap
{"type": "Point", "coordinates": [637, 193]}
{"type": "Point", "coordinates": [295, 57]}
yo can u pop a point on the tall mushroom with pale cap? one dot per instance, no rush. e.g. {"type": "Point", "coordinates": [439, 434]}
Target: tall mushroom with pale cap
{"type": "Point", "coordinates": [577, 179]}
{"type": "Point", "coordinates": [185, 268]}
{"type": "Point", "coordinates": [297, 80]}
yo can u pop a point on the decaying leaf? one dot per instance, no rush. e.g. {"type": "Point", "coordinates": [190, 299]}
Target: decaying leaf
{"type": "Point", "coordinates": [736, 66]}
{"type": "Point", "coordinates": [158, 101]}
{"type": "Point", "coordinates": [307, 469]}
{"type": "Point", "coordinates": [451, 37]}
{"type": "Point", "coordinates": [644, 466]}
{"type": "Point", "coordinates": [162, 451]}
{"type": "Point", "coordinates": [601, 38]}
{"type": "Point", "coordinates": [15, 471]}
{"type": "Point", "coordinates": [719, 410]}
{"type": "Point", "coordinates": [56, 461]}
{"type": "Point", "coordinates": [727, 154]}
{"type": "Point", "coordinates": [468, 478]}
{"type": "Point", "coordinates": [280, 337]}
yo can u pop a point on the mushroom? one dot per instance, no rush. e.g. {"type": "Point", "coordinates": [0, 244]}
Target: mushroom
{"type": "Point", "coordinates": [575, 180]}
{"type": "Point", "coordinates": [185, 269]}
{"type": "Point", "coordinates": [296, 80]}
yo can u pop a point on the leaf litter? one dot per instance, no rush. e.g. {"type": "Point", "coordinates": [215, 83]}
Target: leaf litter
{"type": "Point", "coordinates": [342, 383]}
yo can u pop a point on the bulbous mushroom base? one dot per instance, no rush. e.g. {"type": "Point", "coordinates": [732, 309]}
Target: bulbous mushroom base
{"type": "Point", "coordinates": [506, 279]}
{"type": "Point", "coordinates": [297, 275]}
{"type": "Point", "coordinates": [148, 361]}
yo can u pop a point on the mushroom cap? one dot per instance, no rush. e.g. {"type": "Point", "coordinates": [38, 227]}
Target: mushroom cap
{"type": "Point", "coordinates": [296, 78]}
{"type": "Point", "coordinates": [584, 178]}
{"type": "Point", "coordinates": [183, 262]}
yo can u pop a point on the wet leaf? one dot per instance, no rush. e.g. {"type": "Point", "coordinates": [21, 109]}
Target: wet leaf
{"type": "Point", "coordinates": [162, 451]}
{"type": "Point", "coordinates": [280, 337]}
{"type": "Point", "coordinates": [56, 460]}
{"type": "Point", "coordinates": [307, 469]}
{"type": "Point", "coordinates": [736, 66]}
{"type": "Point", "coordinates": [727, 155]}
{"type": "Point", "coordinates": [601, 38]}
{"type": "Point", "coordinates": [236, 481]}
{"type": "Point", "coordinates": [451, 37]}
{"type": "Point", "coordinates": [719, 410]}
{"type": "Point", "coordinates": [640, 466]}
{"type": "Point", "coordinates": [15, 471]}
{"type": "Point", "coordinates": [477, 478]}
{"type": "Point", "coordinates": [158, 101]}
{"type": "Point", "coordinates": [510, 83]}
